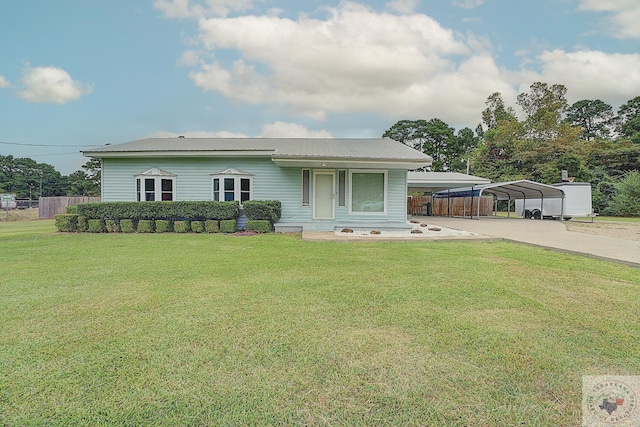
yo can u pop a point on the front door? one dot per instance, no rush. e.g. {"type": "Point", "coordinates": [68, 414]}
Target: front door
{"type": "Point", "coordinates": [323, 195]}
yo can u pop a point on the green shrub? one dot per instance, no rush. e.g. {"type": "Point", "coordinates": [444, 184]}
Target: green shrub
{"type": "Point", "coordinates": [146, 226]}
{"type": "Point", "coordinates": [127, 226]}
{"type": "Point", "coordinates": [626, 201]}
{"type": "Point", "coordinates": [197, 226]}
{"type": "Point", "coordinates": [96, 226]}
{"type": "Point", "coordinates": [269, 210]}
{"type": "Point", "coordinates": [82, 224]}
{"type": "Point", "coordinates": [228, 225]}
{"type": "Point", "coordinates": [112, 226]}
{"type": "Point", "coordinates": [72, 210]}
{"type": "Point", "coordinates": [211, 226]}
{"type": "Point", "coordinates": [261, 226]}
{"type": "Point", "coordinates": [189, 210]}
{"type": "Point", "coordinates": [163, 225]}
{"type": "Point", "coordinates": [67, 223]}
{"type": "Point", "coordinates": [181, 226]}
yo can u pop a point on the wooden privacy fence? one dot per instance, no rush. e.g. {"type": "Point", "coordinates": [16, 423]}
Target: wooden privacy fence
{"type": "Point", "coordinates": [50, 206]}
{"type": "Point", "coordinates": [458, 206]}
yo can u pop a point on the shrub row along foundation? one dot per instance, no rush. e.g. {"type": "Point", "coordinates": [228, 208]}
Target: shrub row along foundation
{"type": "Point", "coordinates": [164, 217]}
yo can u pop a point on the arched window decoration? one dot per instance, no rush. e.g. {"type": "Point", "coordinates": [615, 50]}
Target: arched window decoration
{"type": "Point", "coordinates": [155, 184]}
{"type": "Point", "coordinates": [232, 184]}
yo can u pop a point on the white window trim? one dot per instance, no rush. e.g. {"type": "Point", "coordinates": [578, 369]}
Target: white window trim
{"type": "Point", "coordinates": [236, 186]}
{"type": "Point", "coordinates": [157, 175]}
{"type": "Point", "coordinates": [350, 191]}
{"type": "Point", "coordinates": [340, 194]}
{"type": "Point", "coordinates": [309, 188]}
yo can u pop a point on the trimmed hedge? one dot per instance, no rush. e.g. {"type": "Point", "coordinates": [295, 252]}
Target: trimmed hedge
{"type": "Point", "coordinates": [197, 226]}
{"type": "Point", "coordinates": [96, 226]}
{"type": "Point", "coordinates": [127, 226]}
{"type": "Point", "coordinates": [82, 224]}
{"type": "Point", "coordinates": [149, 217]}
{"type": "Point", "coordinates": [228, 225]}
{"type": "Point", "coordinates": [181, 226]}
{"type": "Point", "coordinates": [259, 225]}
{"type": "Point", "coordinates": [211, 226]}
{"type": "Point", "coordinates": [163, 226]}
{"type": "Point", "coordinates": [264, 210]}
{"type": "Point", "coordinates": [146, 226]}
{"type": "Point", "coordinates": [112, 226]}
{"type": "Point", "coordinates": [67, 223]}
{"type": "Point", "coordinates": [189, 210]}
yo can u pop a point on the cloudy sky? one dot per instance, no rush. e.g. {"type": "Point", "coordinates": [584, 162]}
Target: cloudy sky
{"type": "Point", "coordinates": [80, 73]}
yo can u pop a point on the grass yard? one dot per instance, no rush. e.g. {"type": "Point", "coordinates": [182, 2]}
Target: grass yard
{"type": "Point", "coordinates": [186, 329]}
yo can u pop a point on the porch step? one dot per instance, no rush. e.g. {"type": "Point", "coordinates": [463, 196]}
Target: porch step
{"type": "Point", "coordinates": [287, 228]}
{"type": "Point", "coordinates": [298, 227]}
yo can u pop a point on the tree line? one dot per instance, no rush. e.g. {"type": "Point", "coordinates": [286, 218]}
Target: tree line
{"type": "Point", "coordinates": [28, 179]}
{"type": "Point", "coordinates": [587, 139]}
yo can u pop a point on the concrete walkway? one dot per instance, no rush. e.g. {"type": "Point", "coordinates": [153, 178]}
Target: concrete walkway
{"type": "Point", "coordinates": [548, 234]}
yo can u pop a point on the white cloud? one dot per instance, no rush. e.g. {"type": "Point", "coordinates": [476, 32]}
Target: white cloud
{"type": "Point", "coordinates": [341, 64]}
{"type": "Point", "coordinates": [4, 83]}
{"type": "Point", "coordinates": [51, 85]}
{"type": "Point", "coordinates": [197, 134]}
{"type": "Point", "coordinates": [624, 15]}
{"type": "Point", "coordinates": [291, 130]}
{"type": "Point", "coordinates": [467, 4]}
{"type": "Point", "coordinates": [403, 6]}
{"type": "Point", "coordinates": [589, 74]}
{"type": "Point", "coordinates": [271, 130]}
{"type": "Point", "coordinates": [201, 9]}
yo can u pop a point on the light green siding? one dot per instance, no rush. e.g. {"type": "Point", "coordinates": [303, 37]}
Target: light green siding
{"type": "Point", "coordinates": [270, 182]}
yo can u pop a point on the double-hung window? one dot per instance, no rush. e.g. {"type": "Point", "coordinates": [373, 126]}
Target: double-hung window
{"type": "Point", "coordinates": [155, 184]}
{"type": "Point", "coordinates": [232, 184]}
{"type": "Point", "coordinates": [368, 191]}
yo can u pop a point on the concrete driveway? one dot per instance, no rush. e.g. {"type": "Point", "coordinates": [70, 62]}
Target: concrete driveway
{"type": "Point", "coordinates": [548, 234]}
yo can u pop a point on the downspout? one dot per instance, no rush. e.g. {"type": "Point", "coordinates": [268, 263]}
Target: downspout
{"type": "Point", "coordinates": [471, 210]}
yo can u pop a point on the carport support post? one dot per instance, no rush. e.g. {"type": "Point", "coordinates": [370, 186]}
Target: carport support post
{"type": "Point", "coordinates": [471, 209]}
{"type": "Point", "coordinates": [541, 205]}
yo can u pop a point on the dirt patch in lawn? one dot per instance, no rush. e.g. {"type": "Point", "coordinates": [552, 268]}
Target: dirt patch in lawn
{"type": "Point", "coordinates": [620, 230]}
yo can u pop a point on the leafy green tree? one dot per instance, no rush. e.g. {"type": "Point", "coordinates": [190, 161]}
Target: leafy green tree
{"type": "Point", "coordinates": [29, 179]}
{"type": "Point", "coordinates": [594, 116]}
{"type": "Point", "coordinates": [629, 120]}
{"type": "Point", "coordinates": [543, 106]}
{"type": "Point", "coordinates": [433, 137]}
{"type": "Point", "coordinates": [626, 201]}
{"type": "Point", "coordinates": [496, 112]}
{"type": "Point", "coordinates": [466, 142]}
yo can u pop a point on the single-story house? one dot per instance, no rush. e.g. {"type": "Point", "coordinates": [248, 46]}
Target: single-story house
{"type": "Point", "coordinates": [321, 183]}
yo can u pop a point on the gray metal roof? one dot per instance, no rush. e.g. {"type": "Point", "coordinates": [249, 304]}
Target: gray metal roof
{"type": "Point", "coordinates": [294, 152]}
{"type": "Point", "coordinates": [522, 189]}
{"type": "Point", "coordinates": [435, 181]}
{"type": "Point", "coordinates": [375, 148]}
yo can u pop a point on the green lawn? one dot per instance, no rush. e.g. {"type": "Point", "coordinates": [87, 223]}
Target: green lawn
{"type": "Point", "coordinates": [185, 329]}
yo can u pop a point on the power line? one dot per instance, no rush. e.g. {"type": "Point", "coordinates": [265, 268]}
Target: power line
{"type": "Point", "coordinates": [48, 145]}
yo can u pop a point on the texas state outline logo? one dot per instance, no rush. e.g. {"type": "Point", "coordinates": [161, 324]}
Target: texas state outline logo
{"type": "Point", "coordinates": [610, 400]}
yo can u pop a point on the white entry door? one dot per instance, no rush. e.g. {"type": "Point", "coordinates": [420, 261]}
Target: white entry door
{"type": "Point", "coordinates": [323, 195]}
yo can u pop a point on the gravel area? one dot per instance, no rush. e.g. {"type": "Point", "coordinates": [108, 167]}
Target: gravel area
{"type": "Point", "coordinates": [418, 230]}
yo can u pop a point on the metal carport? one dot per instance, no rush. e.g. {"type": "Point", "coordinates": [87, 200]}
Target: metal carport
{"type": "Point", "coordinates": [508, 191]}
